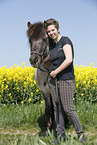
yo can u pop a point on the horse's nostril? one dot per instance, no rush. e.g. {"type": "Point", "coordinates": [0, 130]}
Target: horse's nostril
{"type": "Point", "coordinates": [35, 60]}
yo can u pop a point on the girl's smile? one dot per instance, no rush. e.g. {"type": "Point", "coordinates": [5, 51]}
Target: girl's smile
{"type": "Point", "coordinates": [53, 33]}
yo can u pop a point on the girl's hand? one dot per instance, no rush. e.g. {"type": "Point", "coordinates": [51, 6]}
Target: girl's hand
{"type": "Point", "coordinates": [53, 74]}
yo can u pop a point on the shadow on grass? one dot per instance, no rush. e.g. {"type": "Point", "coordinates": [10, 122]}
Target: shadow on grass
{"type": "Point", "coordinates": [42, 124]}
{"type": "Point", "coordinates": [41, 121]}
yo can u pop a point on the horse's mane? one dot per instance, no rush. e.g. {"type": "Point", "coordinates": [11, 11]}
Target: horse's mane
{"type": "Point", "coordinates": [35, 31]}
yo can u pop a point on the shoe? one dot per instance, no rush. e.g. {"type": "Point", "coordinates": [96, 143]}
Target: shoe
{"type": "Point", "coordinates": [62, 137]}
{"type": "Point", "coordinates": [82, 138]}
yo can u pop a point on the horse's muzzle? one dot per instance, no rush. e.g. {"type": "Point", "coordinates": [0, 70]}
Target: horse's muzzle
{"type": "Point", "coordinates": [34, 62]}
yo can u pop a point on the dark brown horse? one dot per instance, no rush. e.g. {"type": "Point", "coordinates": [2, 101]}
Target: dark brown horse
{"type": "Point", "coordinates": [39, 48]}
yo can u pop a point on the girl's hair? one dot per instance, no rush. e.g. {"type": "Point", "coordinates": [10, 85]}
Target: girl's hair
{"type": "Point", "coordinates": [48, 22]}
{"type": "Point", "coordinates": [51, 22]}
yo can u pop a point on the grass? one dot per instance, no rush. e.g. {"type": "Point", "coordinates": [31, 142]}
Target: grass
{"type": "Point", "coordinates": [20, 124]}
{"type": "Point", "coordinates": [23, 115]}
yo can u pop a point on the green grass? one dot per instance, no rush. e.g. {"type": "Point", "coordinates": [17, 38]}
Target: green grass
{"type": "Point", "coordinates": [20, 124]}
{"type": "Point", "coordinates": [20, 116]}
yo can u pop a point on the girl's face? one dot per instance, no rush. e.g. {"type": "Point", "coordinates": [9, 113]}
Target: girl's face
{"type": "Point", "coordinates": [53, 32]}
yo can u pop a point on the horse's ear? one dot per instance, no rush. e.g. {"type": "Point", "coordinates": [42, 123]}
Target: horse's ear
{"type": "Point", "coordinates": [29, 24]}
{"type": "Point", "coordinates": [45, 24]}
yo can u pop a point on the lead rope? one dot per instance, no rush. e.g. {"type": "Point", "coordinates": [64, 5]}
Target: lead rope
{"type": "Point", "coordinates": [56, 90]}
{"type": "Point", "coordinates": [56, 99]}
{"type": "Point", "coordinates": [45, 82]}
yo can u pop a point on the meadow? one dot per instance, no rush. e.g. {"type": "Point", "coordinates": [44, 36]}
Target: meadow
{"type": "Point", "coordinates": [22, 107]}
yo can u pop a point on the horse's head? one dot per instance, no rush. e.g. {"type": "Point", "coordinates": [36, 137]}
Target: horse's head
{"type": "Point", "coordinates": [39, 43]}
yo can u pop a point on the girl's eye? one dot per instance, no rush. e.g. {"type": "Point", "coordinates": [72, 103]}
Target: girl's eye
{"type": "Point", "coordinates": [53, 30]}
{"type": "Point", "coordinates": [50, 31]}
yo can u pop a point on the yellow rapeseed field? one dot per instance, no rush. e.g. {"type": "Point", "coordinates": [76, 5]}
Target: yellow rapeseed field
{"type": "Point", "coordinates": [17, 84]}
{"type": "Point", "coordinates": [86, 82]}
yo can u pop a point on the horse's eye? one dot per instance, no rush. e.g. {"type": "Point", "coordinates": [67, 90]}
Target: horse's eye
{"type": "Point", "coordinates": [44, 38]}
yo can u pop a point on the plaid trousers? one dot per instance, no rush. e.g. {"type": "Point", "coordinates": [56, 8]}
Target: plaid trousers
{"type": "Point", "coordinates": [63, 102]}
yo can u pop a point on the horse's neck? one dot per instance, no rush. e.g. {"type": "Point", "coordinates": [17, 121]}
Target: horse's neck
{"type": "Point", "coordinates": [47, 65]}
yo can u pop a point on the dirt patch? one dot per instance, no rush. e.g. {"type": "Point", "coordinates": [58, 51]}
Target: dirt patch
{"type": "Point", "coordinates": [16, 132]}
{"type": "Point", "coordinates": [29, 132]}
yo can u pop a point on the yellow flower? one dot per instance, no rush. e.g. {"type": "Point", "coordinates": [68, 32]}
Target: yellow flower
{"type": "Point", "coordinates": [95, 82]}
{"type": "Point", "coordinates": [76, 85]}
{"type": "Point", "coordinates": [31, 93]}
{"type": "Point", "coordinates": [84, 82]}
{"type": "Point", "coordinates": [92, 64]}
{"type": "Point", "coordinates": [15, 65]}
{"type": "Point", "coordinates": [83, 66]}
{"type": "Point", "coordinates": [34, 82]}
{"type": "Point", "coordinates": [37, 90]}
{"type": "Point", "coordinates": [18, 88]}
{"type": "Point", "coordinates": [22, 102]}
{"type": "Point", "coordinates": [93, 88]}
{"type": "Point", "coordinates": [29, 99]}
{"type": "Point", "coordinates": [6, 87]}
{"type": "Point", "coordinates": [76, 66]}
{"type": "Point", "coordinates": [24, 90]}
{"type": "Point", "coordinates": [2, 86]}
{"type": "Point", "coordinates": [9, 94]}
{"type": "Point", "coordinates": [16, 84]}
{"type": "Point", "coordinates": [10, 97]}
{"type": "Point", "coordinates": [82, 94]}
{"type": "Point", "coordinates": [23, 64]}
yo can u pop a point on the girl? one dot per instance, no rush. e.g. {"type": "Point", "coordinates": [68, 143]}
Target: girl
{"type": "Point", "coordinates": [62, 80]}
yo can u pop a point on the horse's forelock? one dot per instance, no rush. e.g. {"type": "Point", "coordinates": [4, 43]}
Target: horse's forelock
{"type": "Point", "coordinates": [36, 31]}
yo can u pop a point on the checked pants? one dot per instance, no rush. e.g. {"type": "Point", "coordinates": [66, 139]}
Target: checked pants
{"type": "Point", "coordinates": [62, 98]}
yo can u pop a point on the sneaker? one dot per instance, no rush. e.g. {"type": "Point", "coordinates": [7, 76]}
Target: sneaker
{"type": "Point", "coordinates": [62, 137]}
{"type": "Point", "coordinates": [82, 138]}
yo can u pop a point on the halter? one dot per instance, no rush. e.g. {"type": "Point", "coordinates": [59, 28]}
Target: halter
{"type": "Point", "coordinates": [42, 56]}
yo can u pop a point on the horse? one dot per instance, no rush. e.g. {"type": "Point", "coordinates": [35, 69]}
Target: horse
{"type": "Point", "coordinates": [39, 48]}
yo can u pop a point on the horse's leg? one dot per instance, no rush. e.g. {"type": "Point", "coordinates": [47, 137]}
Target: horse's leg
{"type": "Point", "coordinates": [40, 78]}
{"type": "Point", "coordinates": [48, 111]}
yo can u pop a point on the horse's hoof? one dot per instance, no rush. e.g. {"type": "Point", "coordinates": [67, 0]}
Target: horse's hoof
{"type": "Point", "coordinates": [44, 128]}
{"type": "Point", "coordinates": [43, 133]}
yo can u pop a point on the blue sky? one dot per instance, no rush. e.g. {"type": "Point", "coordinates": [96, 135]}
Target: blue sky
{"type": "Point", "coordinates": [77, 19]}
